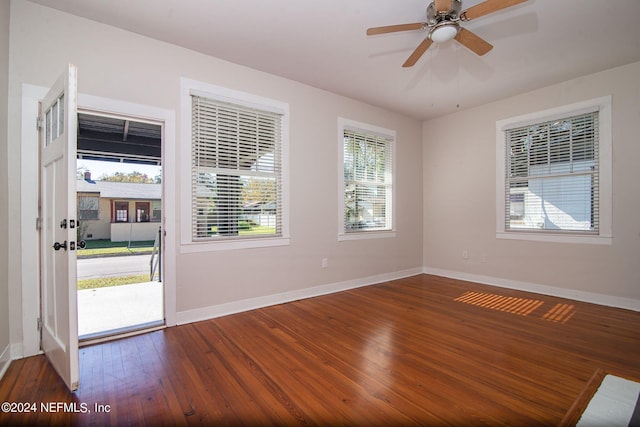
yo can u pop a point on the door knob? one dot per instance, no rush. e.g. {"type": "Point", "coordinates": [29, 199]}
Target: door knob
{"type": "Point", "coordinates": [57, 246]}
{"type": "Point", "coordinates": [82, 244]}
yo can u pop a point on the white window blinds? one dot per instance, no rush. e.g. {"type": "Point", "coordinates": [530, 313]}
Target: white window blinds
{"type": "Point", "coordinates": [552, 176]}
{"type": "Point", "coordinates": [236, 171]}
{"type": "Point", "coordinates": [368, 174]}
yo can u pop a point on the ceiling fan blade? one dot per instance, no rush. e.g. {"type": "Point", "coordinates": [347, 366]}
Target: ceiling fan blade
{"type": "Point", "coordinates": [420, 50]}
{"type": "Point", "coordinates": [394, 28]}
{"type": "Point", "coordinates": [443, 5]}
{"type": "Point", "coordinates": [472, 42]}
{"type": "Point", "coordinates": [487, 7]}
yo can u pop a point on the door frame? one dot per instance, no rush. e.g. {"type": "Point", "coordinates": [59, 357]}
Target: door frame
{"type": "Point", "coordinates": [30, 164]}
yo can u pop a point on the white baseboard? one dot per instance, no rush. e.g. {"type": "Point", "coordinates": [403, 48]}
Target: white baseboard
{"type": "Point", "coordinates": [574, 294]}
{"type": "Point", "coordinates": [220, 310]}
{"type": "Point", "coordinates": [17, 351]}
{"type": "Point", "coordinates": [5, 360]}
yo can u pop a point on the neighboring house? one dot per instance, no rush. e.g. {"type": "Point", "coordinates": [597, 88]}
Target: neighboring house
{"type": "Point", "coordinates": [118, 211]}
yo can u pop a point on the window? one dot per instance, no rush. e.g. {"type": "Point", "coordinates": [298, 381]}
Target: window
{"type": "Point", "coordinates": [366, 180]}
{"type": "Point", "coordinates": [156, 211]}
{"type": "Point", "coordinates": [88, 207]}
{"type": "Point", "coordinates": [121, 211]}
{"type": "Point", "coordinates": [142, 212]}
{"type": "Point", "coordinates": [238, 175]}
{"type": "Point", "coordinates": [556, 174]}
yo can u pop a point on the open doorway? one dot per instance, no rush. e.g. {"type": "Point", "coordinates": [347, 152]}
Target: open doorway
{"type": "Point", "coordinates": [119, 199]}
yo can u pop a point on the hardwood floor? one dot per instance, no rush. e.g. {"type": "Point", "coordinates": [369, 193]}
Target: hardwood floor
{"type": "Point", "coordinates": [420, 350]}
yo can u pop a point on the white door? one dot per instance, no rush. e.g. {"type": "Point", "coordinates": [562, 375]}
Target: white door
{"type": "Point", "coordinates": [58, 293]}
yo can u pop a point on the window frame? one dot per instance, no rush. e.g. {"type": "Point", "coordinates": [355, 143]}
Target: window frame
{"type": "Point", "coordinates": [116, 210]}
{"type": "Point", "coordinates": [156, 211]}
{"type": "Point", "coordinates": [81, 216]}
{"type": "Point", "coordinates": [604, 235]}
{"type": "Point", "coordinates": [144, 207]}
{"type": "Point", "coordinates": [345, 124]}
{"type": "Point", "coordinates": [190, 87]}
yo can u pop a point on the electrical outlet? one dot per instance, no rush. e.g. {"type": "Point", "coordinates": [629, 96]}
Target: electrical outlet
{"type": "Point", "coordinates": [465, 254]}
{"type": "Point", "coordinates": [325, 263]}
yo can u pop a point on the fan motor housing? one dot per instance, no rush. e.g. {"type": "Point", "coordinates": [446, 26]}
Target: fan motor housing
{"type": "Point", "coordinates": [434, 17]}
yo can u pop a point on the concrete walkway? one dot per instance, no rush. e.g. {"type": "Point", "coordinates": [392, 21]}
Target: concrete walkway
{"type": "Point", "coordinates": [109, 309]}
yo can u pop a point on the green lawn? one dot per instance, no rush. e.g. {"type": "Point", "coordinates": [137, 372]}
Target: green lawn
{"type": "Point", "coordinates": [258, 229]}
{"type": "Point", "coordinates": [248, 229]}
{"type": "Point", "coordinates": [107, 247]}
{"type": "Point", "coordinates": [104, 282]}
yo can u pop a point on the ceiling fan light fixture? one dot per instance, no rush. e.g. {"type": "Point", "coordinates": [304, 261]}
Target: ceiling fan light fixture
{"type": "Point", "coordinates": [443, 32]}
{"type": "Point", "coordinates": [443, 23]}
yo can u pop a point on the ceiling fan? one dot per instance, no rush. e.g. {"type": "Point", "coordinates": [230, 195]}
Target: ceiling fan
{"type": "Point", "coordinates": [443, 24]}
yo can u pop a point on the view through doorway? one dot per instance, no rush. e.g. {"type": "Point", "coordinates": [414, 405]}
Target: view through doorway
{"type": "Point", "coordinates": [119, 199]}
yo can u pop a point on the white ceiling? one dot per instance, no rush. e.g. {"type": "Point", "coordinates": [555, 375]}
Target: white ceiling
{"type": "Point", "coordinates": [323, 44]}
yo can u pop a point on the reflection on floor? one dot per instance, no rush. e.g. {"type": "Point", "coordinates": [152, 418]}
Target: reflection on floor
{"type": "Point", "coordinates": [103, 311]}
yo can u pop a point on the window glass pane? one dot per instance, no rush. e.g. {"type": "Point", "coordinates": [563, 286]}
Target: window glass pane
{"type": "Point", "coordinates": [88, 207]}
{"type": "Point", "coordinates": [156, 210]}
{"type": "Point", "coordinates": [121, 212]}
{"type": "Point", "coordinates": [516, 203]}
{"type": "Point", "coordinates": [349, 158]}
{"type": "Point", "coordinates": [47, 127]}
{"type": "Point", "coordinates": [552, 180]}
{"type": "Point", "coordinates": [237, 171]}
{"type": "Point", "coordinates": [142, 212]}
{"type": "Point", "coordinates": [366, 207]}
{"type": "Point", "coordinates": [236, 205]}
{"type": "Point", "coordinates": [61, 115]}
{"type": "Point", "coordinates": [54, 121]}
{"type": "Point", "coordinates": [367, 181]}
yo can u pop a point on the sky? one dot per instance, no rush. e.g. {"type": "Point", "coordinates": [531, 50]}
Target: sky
{"type": "Point", "coordinates": [99, 168]}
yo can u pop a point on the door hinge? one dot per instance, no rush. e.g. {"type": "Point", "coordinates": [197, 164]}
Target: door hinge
{"type": "Point", "coordinates": [39, 123]}
{"type": "Point", "coordinates": [38, 223]}
{"type": "Point", "coordinates": [39, 324]}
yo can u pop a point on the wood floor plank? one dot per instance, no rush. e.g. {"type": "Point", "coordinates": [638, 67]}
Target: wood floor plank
{"type": "Point", "coordinates": [302, 373]}
{"type": "Point", "coordinates": [419, 350]}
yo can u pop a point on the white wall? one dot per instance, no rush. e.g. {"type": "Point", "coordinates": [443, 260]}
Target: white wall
{"type": "Point", "coordinates": [4, 187]}
{"type": "Point", "coordinates": [133, 231]}
{"type": "Point", "coordinates": [460, 201]}
{"type": "Point", "coordinates": [117, 64]}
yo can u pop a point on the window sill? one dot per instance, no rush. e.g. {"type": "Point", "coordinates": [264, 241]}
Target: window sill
{"type": "Point", "coordinates": [555, 238]}
{"type": "Point", "coordinates": [228, 245]}
{"type": "Point", "coordinates": [364, 235]}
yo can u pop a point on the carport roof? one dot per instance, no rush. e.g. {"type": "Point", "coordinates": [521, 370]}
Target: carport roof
{"type": "Point", "coordinates": [117, 139]}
